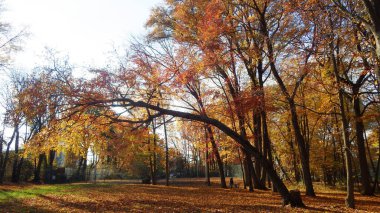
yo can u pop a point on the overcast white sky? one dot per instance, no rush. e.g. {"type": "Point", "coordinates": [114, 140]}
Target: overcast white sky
{"type": "Point", "coordinates": [86, 30]}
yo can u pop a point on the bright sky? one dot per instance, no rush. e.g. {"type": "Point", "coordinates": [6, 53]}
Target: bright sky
{"type": "Point", "coordinates": [86, 30]}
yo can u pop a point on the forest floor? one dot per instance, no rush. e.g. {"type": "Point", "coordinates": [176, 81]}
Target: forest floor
{"type": "Point", "coordinates": [184, 195]}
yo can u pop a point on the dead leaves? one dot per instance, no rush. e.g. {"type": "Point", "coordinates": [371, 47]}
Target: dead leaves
{"type": "Point", "coordinates": [185, 195]}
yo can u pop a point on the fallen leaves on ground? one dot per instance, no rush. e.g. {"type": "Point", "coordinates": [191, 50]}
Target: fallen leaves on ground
{"type": "Point", "coordinates": [184, 195]}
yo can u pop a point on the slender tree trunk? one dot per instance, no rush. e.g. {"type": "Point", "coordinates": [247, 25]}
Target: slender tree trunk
{"type": "Point", "coordinates": [4, 160]}
{"type": "Point", "coordinates": [207, 161]}
{"type": "Point", "coordinates": [151, 170]}
{"type": "Point", "coordinates": [242, 169]}
{"type": "Point", "coordinates": [350, 200]}
{"type": "Point", "coordinates": [247, 161]}
{"type": "Point", "coordinates": [303, 152]}
{"type": "Point", "coordinates": [83, 175]}
{"type": "Point", "coordinates": [166, 153]}
{"type": "Point", "coordinates": [154, 179]}
{"type": "Point", "coordinates": [257, 138]}
{"type": "Point", "coordinates": [217, 156]}
{"type": "Point", "coordinates": [267, 142]}
{"type": "Point", "coordinates": [265, 133]}
{"type": "Point", "coordinates": [196, 95]}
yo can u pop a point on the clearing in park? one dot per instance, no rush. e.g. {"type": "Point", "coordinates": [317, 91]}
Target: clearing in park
{"type": "Point", "coordinates": [183, 195]}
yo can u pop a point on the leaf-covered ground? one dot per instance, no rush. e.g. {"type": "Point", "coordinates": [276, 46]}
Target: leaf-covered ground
{"type": "Point", "coordinates": [185, 195]}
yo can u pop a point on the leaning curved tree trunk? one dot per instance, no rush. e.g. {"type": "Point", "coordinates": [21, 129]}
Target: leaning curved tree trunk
{"type": "Point", "coordinates": [244, 143]}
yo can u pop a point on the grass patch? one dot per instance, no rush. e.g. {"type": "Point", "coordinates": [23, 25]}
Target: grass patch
{"type": "Point", "coordinates": [11, 193]}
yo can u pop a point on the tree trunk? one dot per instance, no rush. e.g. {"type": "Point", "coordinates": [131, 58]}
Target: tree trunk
{"type": "Point", "coordinates": [151, 169]}
{"type": "Point", "coordinates": [166, 153]}
{"type": "Point", "coordinates": [359, 127]}
{"type": "Point", "coordinates": [242, 169]}
{"type": "Point", "coordinates": [49, 170]}
{"type": "Point", "coordinates": [217, 156]}
{"type": "Point", "coordinates": [242, 141]}
{"type": "Point", "coordinates": [18, 170]}
{"type": "Point", "coordinates": [154, 179]}
{"type": "Point", "coordinates": [350, 200]}
{"type": "Point", "coordinates": [37, 171]}
{"type": "Point", "coordinates": [207, 161]}
{"type": "Point", "coordinates": [303, 152]}
{"type": "Point", "coordinates": [15, 174]}
{"type": "Point", "coordinates": [4, 160]}
{"type": "Point", "coordinates": [247, 161]}
{"type": "Point", "coordinates": [257, 138]}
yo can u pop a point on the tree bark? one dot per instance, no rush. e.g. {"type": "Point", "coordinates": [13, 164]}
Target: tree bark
{"type": "Point", "coordinates": [350, 200]}
{"type": "Point", "coordinates": [217, 156]}
{"type": "Point", "coordinates": [207, 161]}
{"type": "Point", "coordinates": [303, 152]}
{"type": "Point", "coordinates": [359, 127]}
{"type": "Point", "coordinates": [37, 171]}
{"type": "Point", "coordinates": [4, 160]}
{"type": "Point", "coordinates": [15, 174]}
{"type": "Point", "coordinates": [166, 153]}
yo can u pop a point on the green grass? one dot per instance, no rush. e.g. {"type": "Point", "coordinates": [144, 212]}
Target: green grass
{"type": "Point", "coordinates": [21, 193]}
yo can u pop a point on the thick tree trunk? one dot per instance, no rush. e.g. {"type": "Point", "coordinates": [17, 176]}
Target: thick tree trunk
{"type": "Point", "coordinates": [49, 169]}
{"type": "Point", "coordinates": [4, 162]}
{"type": "Point", "coordinates": [359, 127]}
{"type": "Point", "coordinates": [297, 176]}
{"type": "Point", "coordinates": [37, 170]}
{"type": "Point", "coordinates": [18, 171]}
{"type": "Point", "coordinates": [15, 174]}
